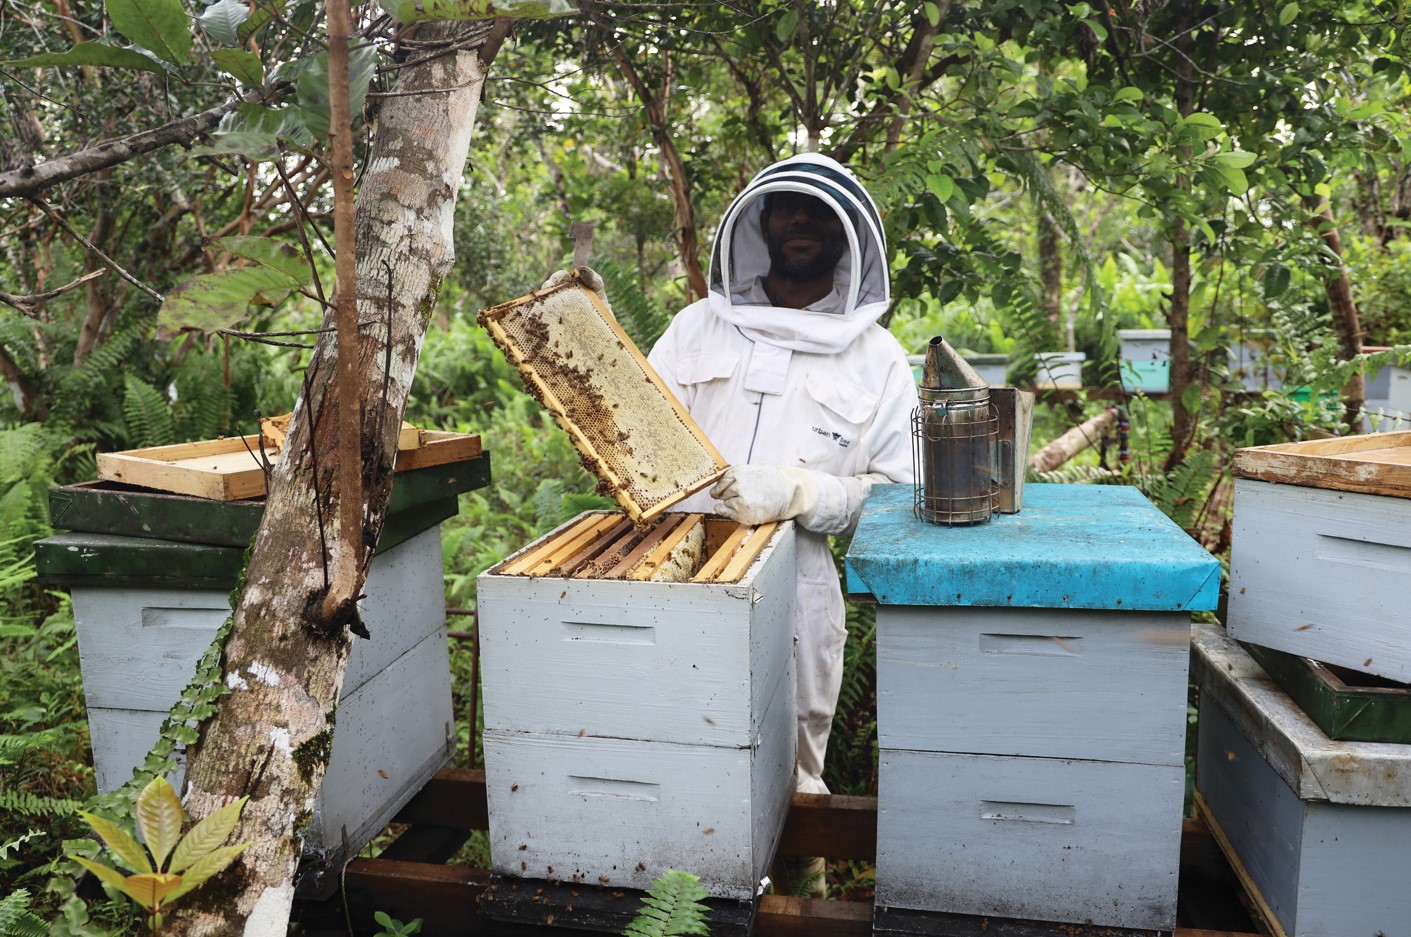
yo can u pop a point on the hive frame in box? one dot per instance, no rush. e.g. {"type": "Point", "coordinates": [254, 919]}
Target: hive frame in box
{"type": "Point", "coordinates": [601, 407]}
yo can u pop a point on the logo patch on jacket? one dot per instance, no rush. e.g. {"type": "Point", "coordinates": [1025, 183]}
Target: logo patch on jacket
{"type": "Point", "coordinates": [842, 441]}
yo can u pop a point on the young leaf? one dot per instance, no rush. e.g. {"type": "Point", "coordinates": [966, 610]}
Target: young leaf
{"type": "Point", "coordinates": [205, 867]}
{"type": "Point", "coordinates": [1128, 94]}
{"type": "Point", "coordinates": [159, 26]}
{"type": "Point", "coordinates": [933, 13]}
{"type": "Point", "coordinates": [1200, 125]}
{"type": "Point", "coordinates": [244, 66]}
{"type": "Point", "coordinates": [1288, 13]}
{"type": "Point", "coordinates": [104, 874]}
{"type": "Point", "coordinates": [150, 890]}
{"type": "Point", "coordinates": [159, 817]}
{"type": "Point", "coordinates": [127, 849]}
{"type": "Point", "coordinates": [222, 20]}
{"type": "Point", "coordinates": [205, 836]}
{"type": "Point", "coordinates": [91, 53]}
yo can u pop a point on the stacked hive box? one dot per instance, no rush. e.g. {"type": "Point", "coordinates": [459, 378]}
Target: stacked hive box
{"type": "Point", "coordinates": [148, 599]}
{"type": "Point", "coordinates": [1031, 709]}
{"type": "Point", "coordinates": [633, 725]}
{"type": "Point", "coordinates": [1319, 563]}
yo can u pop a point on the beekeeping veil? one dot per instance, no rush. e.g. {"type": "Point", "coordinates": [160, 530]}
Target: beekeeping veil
{"type": "Point", "coordinates": [740, 257]}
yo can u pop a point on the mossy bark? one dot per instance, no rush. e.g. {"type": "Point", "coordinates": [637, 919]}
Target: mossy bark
{"type": "Point", "coordinates": [288, 651]}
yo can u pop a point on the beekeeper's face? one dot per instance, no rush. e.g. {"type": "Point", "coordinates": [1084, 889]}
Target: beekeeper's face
{"type": "Point", "coordinates": [804, 236]}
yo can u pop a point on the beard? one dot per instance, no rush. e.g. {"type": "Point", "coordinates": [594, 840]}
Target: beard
{"type": "Point", "coordinates": [805, 269]}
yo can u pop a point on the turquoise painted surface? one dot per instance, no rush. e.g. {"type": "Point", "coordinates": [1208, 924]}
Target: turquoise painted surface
{"type": "Point", "coordinates": [1072, 546]}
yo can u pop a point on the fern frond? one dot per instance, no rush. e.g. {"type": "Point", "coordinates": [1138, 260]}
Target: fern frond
{"type": "Point", "coordinates": [641, 318]}
{"type": "Point", "coordinates": [1181, 494]}
{"type": "Point", "coordinates": [16, 920]}
{"type": "Point", "coordinates": [148, 416]}
{"type": "Point", "coordinates": [548, 504]}
{"type": "Point", "coordinates": [1076, 474]}
{"type": "Point", "coordinates": [14, 844]}
{"type": "Point", "coordinates": [671, 908]}
{"type": "Point", "coordinates": [24, 803]}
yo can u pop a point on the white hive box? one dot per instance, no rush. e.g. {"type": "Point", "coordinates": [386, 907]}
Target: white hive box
{"type": "Point", "coordinates": [635, 726]}
{"type": "Point", "coordinates": [1321, 828]}
{"type": "Point", "coordinates": [1031, 677]}
{"type": "Point", "coordinates": [138, 647]}
{"type": "Point", "coordinates": [1321, 551]}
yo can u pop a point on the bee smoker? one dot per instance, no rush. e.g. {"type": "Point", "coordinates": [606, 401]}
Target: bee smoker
{"type": "Point", "coordinates": [953, 441]}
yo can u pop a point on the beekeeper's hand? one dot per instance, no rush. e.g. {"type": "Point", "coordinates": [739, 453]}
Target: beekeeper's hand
{"type": "Point", "coordinates": [586, 275]}
{"type": "Point", "coordinates": [816, 501]}
{"type": "Point", "coordinates": [758, 494]}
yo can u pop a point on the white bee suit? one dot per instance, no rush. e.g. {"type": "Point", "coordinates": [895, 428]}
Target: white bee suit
{"type": "Point", "coordinates": [823, 389]}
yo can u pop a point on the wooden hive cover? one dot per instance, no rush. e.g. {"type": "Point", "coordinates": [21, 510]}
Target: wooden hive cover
{"type": "Point", "coordinates": [1378, 463]}
{"type": "Point", "coordinates": [630, 429]}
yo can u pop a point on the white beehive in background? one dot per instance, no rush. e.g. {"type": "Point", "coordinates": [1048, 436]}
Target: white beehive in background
{"type": "Point", "coordinates": [633, 726]}
{"type": "Point", "coordinates": [1321, 551]}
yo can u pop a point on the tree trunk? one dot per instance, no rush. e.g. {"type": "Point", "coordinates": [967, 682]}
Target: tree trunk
{"type": "Point", "coordinates": [687, 242]}
{"type": "Point", "coordinates": [1050, 268]}
{"type": "Point", "coordinates": [1347, 324]}
{"type": "Point", "coordinates": [1183, 420]}
{"type": "Point", "coordinates": [1080, 437]}
{"type": "Point", "coordinates": [285, 659]}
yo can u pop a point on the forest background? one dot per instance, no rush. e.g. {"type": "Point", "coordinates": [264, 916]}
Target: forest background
{"type": "Point", "coordinates": [1049, 173]}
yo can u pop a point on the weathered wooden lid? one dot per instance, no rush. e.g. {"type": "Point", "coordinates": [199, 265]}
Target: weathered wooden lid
{"type": "Point", "coordinates": [631, 431]}
{"type": "Point", "coordinates": [1074, 546]}
{"type": "Point", "coordinates": [1377, 463]}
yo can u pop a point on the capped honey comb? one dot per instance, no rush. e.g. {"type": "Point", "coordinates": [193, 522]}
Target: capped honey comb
{"type": "Point", "coordinates": [630, 430]}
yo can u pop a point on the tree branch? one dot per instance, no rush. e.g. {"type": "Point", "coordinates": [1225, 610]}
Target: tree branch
{"type": "Point", "coordinates": [30, 181]}
{"type": "Point", "coordinates": [29, 305]}
{"type": "Point", "coordinates": [116, 267]}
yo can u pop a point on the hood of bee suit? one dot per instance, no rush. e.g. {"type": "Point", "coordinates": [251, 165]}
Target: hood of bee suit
{"type": "Point", "coordinates": [740, 257]}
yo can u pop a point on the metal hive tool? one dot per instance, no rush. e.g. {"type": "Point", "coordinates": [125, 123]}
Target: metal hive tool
{"type": "Point", "coordinates": [631, 431]}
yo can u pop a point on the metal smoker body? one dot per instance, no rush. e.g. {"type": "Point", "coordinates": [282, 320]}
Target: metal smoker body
{"type": "Point", "coordinates": [953, 441]}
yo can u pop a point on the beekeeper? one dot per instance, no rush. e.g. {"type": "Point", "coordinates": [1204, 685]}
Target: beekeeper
{"type": "Point", "coordinates": [784, 367]}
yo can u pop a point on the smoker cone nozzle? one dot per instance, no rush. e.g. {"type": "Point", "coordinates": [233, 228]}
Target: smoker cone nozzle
{"type": "Point", "coordinates": [946, 370]}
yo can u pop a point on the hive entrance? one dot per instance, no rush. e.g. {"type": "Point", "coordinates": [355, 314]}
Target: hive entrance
{"type": "Point", "coordinates": [631, 431]}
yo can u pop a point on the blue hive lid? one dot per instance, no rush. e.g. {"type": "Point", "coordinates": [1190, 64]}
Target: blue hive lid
{"type": "Point", "coordinates": [1072, 546]}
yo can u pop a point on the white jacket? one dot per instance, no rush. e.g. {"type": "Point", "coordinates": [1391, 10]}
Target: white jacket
{"type": "Point", "coordinates": [821, 389]}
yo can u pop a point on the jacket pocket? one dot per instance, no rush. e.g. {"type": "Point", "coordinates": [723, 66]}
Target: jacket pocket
{"type": "Point", "coordinates": [854, 403]}
{"type": "Point", "coordinates": [706, 367]}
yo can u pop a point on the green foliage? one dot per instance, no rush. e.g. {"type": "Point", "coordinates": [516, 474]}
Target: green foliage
{"type": "Point", "coordinates": [194, 858]}
{"type": "Point", "coordinates": [418, 11]}
{"type": "Point", "coordinates": [671, 908]}
{"type": "Point", "coordinates": [391, 927]}
{"type": "Point", "coordinates": [149, 421]}
{"type": "Point", "coordinates": [16, 920]}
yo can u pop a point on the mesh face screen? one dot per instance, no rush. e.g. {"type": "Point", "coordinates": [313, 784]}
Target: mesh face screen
{"type": "Point", "coordinates": [631, 433]}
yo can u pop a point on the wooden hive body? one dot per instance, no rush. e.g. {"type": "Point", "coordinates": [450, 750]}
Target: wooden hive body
{"type": "Point", "coordinates": [1320, 829]}
{"type": "Point", "coordinates": [1322, 573]}
{"type": "Point", "coordinates": [1031, 678]}
{"type": "Point", "coordinates": [138, 647]}
{"type": "Point", "coordinates": [636, 726]}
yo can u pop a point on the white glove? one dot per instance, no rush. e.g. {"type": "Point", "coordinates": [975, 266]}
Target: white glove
{"type": "Point", "coordinates": [758, 494]}
{"type": "Point", "coordinates": [586, 275]}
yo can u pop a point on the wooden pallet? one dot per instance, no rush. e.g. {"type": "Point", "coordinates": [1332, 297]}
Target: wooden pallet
{"type": "Point", "coordinates": [409, 880]}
